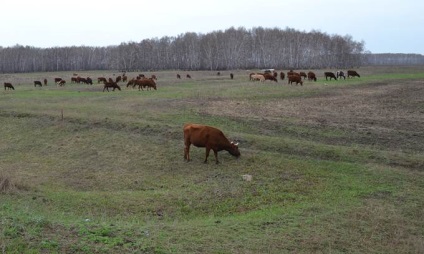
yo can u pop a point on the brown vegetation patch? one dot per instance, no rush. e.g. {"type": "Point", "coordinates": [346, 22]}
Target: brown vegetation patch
{"type": "Point", "coordinates": [387, 115]}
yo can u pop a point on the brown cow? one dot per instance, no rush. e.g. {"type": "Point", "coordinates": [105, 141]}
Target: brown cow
{"type": "Point", "coordinates": [118, 79]}
{"type": "Point", "coordinates": [178, 76]}
{"type": "Point", "coordinates": [188, 76]}
{"type": "Point", "coordinates": [101, 79]}
{"type": "Point", "coordinates": [62, 82]}
{"type": "Point", "coordinates": [340, 75]}
{"type": "Point", "coordinates": [8, 86]}
{"type": "Point", "coordinates": [45, 82]}
{"type": "Point", "coordinates": [57, 80]}
{"type": "Point", "coordinates": [113, 85]}
{"type": "Point", "coordinates": [37, 83]}
{"type": "Point", "coordinates": [282, 76]}
{"type": "Point", "coordinates": [352, 73]}
{"type": "Point", "coordinates": [231, 75]}
{"type": "Point", "coordinates": [146, 83]}
{"type": "Point", "coordinates": [312, 76]}
{"type": "Point", "coordinates": [269, 76]}
{"type": "Point", "coordinates": [209, 137]}
{"type": "Point", "coordinates": [154, 77]}
{"type": "Point", "coordinates": [329, 75]}
{"type": "Point", "coordinates": [296, 79]}
{"type": "Point", "coordinates": [303, 74]}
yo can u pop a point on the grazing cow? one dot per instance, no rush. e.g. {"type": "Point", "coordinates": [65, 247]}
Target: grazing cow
{"type": "Point", "coordinates": [295, 79]}
{"type": "Point", "coordinates": [62, 82]}
{"type": "Point", "coordinates": [124, 78]}
{"type": "Point", "coordinates": [146, 83]}
{"type": "Point", "coordinates": [131, 82]}
{"type": "Point", "coordinates": [303, 74]}
{"type": "Point", "coordinates": [101, 79]}
{"type": "Point", "coordinates": [351, 73]}
{"type": "Point", "coordinates": [257, 77]}
{"type": "Point", "coordinates": [209, 137]}
{"type": "Point", "coordinates": [8, 86]}
{"type": "Point", "coordinates": [269, 76]}
{"type": "Point", "coordinates": [282, 76]}
{"type": "Point", "coordinates": [118, 79]}
{"type": "Point", "coordinates": [45, 82]}
{"type": "Point", "coordinates": [112, 84]}
{"type": "Point", "coordinates": [218, 73]}
{"type": "Point", "coordinates": [37, 83]}
{"type": "Point", "coordinates": [178, 76]}
{"type": "Point", "coordinates": [188, 76]}
{"type": "Point", "coordinates": [312, 76]}
{"type": "Point", "coordinates": [89, 81]}
{"type": "Point", "coordinates": [154, 77]}
{"type": "Point", "coordinates": [340, 74]}
{"type": "Point", "coordinates": [231, 75]}
{"type": "Point", "coordinates": [57, 80]}
{"type": "Point", "coordinates": [330, 75]}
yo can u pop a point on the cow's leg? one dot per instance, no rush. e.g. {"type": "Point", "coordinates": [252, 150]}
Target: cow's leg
{"type": "Point", "coordinates": [207, 154]}
{"type": "Point", "coordinates": [187, 152]}
{"type": "Point", "coordinates": [215, 152]}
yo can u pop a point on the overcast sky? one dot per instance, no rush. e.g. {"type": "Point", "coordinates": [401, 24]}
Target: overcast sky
{"type": "Point", "coordinates": [386, 26]}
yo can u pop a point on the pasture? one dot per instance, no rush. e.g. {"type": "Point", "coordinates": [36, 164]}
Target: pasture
{"type": "Point", "coordinates": [336, 166]}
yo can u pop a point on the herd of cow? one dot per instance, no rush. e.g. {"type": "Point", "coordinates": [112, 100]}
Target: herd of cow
{"type": "Point", "coordinates": [296, 77]}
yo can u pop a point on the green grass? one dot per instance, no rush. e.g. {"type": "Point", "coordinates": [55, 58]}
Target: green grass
{"type": "Point", "coordinates": [109, 176]}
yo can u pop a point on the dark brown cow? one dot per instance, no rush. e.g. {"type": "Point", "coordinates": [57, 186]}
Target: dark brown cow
{"type": "Point", "coordinates": [312, 76]}
{"type": "Point", "coordinates": [209, 137]}
{"type": "Point", "coordinates": [154, 77]}
{"type": "Point", "coordinates": [62, 82]}
{"type": "Point", "coordinates": [45, 82]}
{"type": "Point", "coordinates": [131, 83]}
{"type": "Point", "coordinates": [118, 79]}
{"type": "Point", "coordinates": [218, 73]}
{"type": "Point", "coordinates": [269, 76]}
{"type": "Point", "coordinates": [113, 85]}
{"type": "Point", "coordinates": [231, 75]}
{"type": "Point", "coordinates": [8, 86]}
{"type": "Point", "coordinates": [188, 76]}
{"type": "Point", "coordinates": [37, 83]}
{"type": "Point", "coordinates": [303, 74]}
{"type": "Point", "coordinates": [89, 81]}
{"type": "Point", "coordinates": [282, 76]}
{"type": "Point", "coordinates": [101, 79]}
{"type": "Point", "coordinates": [352, 73]}
{"type": "Point", "coordinates": [124, 78]}
{"type": "Point", "coordinates": [295, 79]}
{"type": "Point", "coordinates": [330, 75]}
{"type": "Point", "coordinates": [57, 80]}
{"type": "Point", "coordinates": [146, 83]}
{"type": "Point", "coordinates": [178, 76]}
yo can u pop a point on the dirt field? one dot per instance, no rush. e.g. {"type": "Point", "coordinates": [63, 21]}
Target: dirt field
{"type": "Point", "coordinates": [386, 115]}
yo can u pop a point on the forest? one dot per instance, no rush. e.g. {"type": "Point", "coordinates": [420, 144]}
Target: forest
{"type": "Point", "coordinates": [233, 48]}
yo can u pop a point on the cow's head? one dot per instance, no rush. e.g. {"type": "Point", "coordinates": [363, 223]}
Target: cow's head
{"type": "Point", "coordinates": [234, 151]}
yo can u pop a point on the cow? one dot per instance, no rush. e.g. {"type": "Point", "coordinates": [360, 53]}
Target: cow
{"type": "Point", "coordinates": [57, 80]}
{"type": "Point", "coordinates": [218, 73]}
{"type": "Point", "coordinates": [209, 137]}
{"type": "Point", "coordinates": [352, 73]}
{"type": "Point", "coordinates": [295, 79]}
{"type": "Point", "coordinates": [312, 76]}
{"type": "Point", "coordinates": [37, 83]}
{"type": "Point", "coordinates": [146, 82]}
{"type": "Point", "coordinates": [269, 76]}
{"type": "Point", "coordinates": [188, 76]}
{"type": "Point", "coordinates": [118, 79]}
{"type": "Point", "coordinates": [178, 76]}
{"type": "Point", "coordinates": [124, 78]}
{"type": "Point", "coordinates": [8, 86]}
{"type": "Point", "coordinates": [257, 77]}
{"type": "Point", "coordinates": [282, 76]}
{"type": "Point", "coordinates": [340, 74]}
{"type": "Point", "coordinates": [231, 75]}
{"type": "Point", "coordinates": [113, 85]}
{"type": "Point", "coordinates": [62, 82]}
{"type": "Point", "coordinates": [131, 82]}
{"type": "Point", "coordinates": [89, 81]}
{"type": "Point", "coordinates": [154, 77]}
{"type": "Point", "coordinates": [330, 75]}
{"type": "Point", "coordinates": [45, 82]}
{"type": "Point", "coordinates": [303, 74]}
{"type": "Point", "coordinates": [101, 79]}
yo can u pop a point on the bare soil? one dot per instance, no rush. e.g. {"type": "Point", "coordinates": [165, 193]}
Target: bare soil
{"type": "Point", "coordinates": [389, 114]}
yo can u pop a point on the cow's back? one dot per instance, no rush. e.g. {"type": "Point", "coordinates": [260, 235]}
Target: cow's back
{"type": "Point", "coordinates": [201, 135]}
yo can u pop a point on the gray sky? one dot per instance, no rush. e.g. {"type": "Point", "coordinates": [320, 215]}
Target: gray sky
{"type": "Point", "coordinates": [387, 26]}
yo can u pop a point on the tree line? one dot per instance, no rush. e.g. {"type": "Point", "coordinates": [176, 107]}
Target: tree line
{"type": "Point", "coordinates": [394, 59]}
{"type": "Point", "coordinates": [233, 48]}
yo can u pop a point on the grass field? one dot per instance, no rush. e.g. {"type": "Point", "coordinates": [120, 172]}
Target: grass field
{"type": "Point", "coordinates": [337, 166]}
